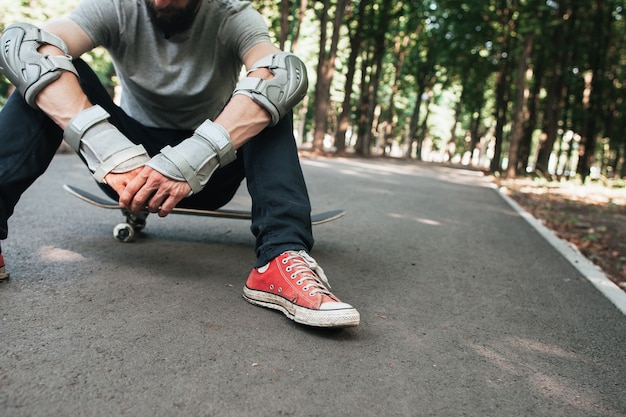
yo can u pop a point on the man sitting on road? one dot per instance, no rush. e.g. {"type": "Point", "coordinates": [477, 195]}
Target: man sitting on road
{"type": "Point", "coordinates": [187, 131]}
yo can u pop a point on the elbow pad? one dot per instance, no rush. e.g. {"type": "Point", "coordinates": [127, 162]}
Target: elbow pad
{"type": "Point", "coordinates": [27, 69]}
{"type": "Point", "coordinates": [277, 95]}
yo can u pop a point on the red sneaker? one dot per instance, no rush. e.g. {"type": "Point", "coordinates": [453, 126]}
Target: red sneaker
{"type": "Point", "coordinates": [3, 272]}
{"type": "Point", "coordinates": [296, 285]}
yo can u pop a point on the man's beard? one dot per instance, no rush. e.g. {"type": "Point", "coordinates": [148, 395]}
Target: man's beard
{"type": "Point", "coordinates": [173, 20]}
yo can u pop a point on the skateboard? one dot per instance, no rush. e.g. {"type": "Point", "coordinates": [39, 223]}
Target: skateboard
{"type": "Point", "coordinates": [135, 222]}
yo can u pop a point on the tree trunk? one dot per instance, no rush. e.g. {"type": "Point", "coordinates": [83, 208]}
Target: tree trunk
{"type": "Point", "coordinates": [346, 111]}
{"type": "Point", "coordinates": [415, 118]}
{"type": "Point", "coordinates": [451, 147]}
{"type": "Point", "coordinates": [399, 51]}
{"type": "Point", "coordinates": [475, 125]}
{"type": "Point", "coordinates": [284, 23]}
{"type": "Point", "coordinates": [500, 113]}
{"type": "Point", "coordinates": [533, 105]}
{"type": "Point", "coordinates": [298, 25]}
{"type": "Point", "coordinates": [320, 102]}
{"type": "Point", "coordinates": [384, 19]}
{"type": "Point", "coordinates": [519, 111]}
{"type": "Point", "coordinates": [502, 85]}
{"type": "Point", "coordinates": [557, 89]}
{"type": "Point", "coordinates": [593, 115]}
{"type": "Point", "coordinates": [423, 130]}
{"type": "Point", "coordinates": [363, 104]}
{"type": "Point", "coordinates": [325, 73]}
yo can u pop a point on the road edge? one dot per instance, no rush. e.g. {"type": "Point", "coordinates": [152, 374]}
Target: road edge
{"type": "Point", "coordinates": [588, 269]}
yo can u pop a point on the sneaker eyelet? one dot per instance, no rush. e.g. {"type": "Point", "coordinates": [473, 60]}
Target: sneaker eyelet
{"type": "Point", "coordinates": [299, 282]}
{"type": "Point", "coordinates": [312, 294]}
{"type": "Point", "coordinates": [271, 286]}
{"type": "Point", "coordinates": [293, 276]}
{"type": "Point", "coordinates": [289, 268]}
{"type": "Point", "coordinates": [305, 288]}
{"type": "Point", "coordinates": [284, 261]}
{"type": "Point", "coordinates": [280, 289]}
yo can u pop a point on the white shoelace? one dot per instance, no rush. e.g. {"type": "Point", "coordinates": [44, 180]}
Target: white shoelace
{"type": "Point", "coordinates": [305, 268]}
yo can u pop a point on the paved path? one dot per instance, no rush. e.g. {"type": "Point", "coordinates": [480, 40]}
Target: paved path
{"type": "Point", "coordinates": [466, 309]}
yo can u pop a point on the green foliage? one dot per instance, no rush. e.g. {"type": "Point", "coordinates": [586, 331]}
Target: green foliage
{"type": "Point", "coordinates": [454, 51]}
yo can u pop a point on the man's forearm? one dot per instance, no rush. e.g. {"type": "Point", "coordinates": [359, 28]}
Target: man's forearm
{"type": "Point", "coordinates": [62, 99]}
{"type": "Point", "coordinates": [243, 119]}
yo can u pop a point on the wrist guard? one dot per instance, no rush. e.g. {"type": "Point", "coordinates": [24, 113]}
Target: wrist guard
{"type": "Point", "coordinates": [29, 70]}
{"type": "Point", "coordinates": [196, 158]}
{"type": "Point", "coordinates": [277, 95]}
{"type": "Point", "coordinates": [104, 148]}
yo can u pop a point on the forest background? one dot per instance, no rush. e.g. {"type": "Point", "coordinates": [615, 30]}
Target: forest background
{"type": "Point", "coordinates": [515, 88]}
{"type": "Point", "coordinates": [511, 86]}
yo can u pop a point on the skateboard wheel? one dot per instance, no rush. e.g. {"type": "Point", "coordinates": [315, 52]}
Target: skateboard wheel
{"type": "Point", "coordinates": [124, 232]}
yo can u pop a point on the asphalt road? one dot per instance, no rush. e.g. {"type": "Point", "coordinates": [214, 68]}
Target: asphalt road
{"type": "Point", "coordinates": [466, 310]}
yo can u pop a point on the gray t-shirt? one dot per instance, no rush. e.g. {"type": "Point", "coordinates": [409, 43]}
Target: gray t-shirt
{"type": "Point", "coordinates": [181, 81]}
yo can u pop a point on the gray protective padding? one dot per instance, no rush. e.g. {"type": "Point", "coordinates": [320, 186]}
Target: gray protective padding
{"type": "Point", "coordinates": [196, 158]}
{"type": "Point", "coordinates": [277, 95]}
{"type": "Point", "coordinates": [29, 70]}
{"type": "Point", "coordinates": [79, 124]}
{"type": "Point", "coordinates": [104, 148]}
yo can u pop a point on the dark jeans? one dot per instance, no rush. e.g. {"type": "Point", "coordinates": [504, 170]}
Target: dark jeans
{"type": "Point", "coordinates": [269, 162]}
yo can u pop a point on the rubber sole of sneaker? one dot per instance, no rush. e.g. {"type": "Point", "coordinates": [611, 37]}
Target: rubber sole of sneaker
{"type": "Point", "coordinates": [4, 275]}
{"type": "Point", "coordinates": [318, 318]}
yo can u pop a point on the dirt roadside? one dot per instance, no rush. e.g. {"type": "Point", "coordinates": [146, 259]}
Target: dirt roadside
{"type": "Point", "coordinates": [592, 217]}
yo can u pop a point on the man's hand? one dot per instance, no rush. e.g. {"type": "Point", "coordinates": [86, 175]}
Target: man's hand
{"type": "Point", "coordinates": [145, 187]}
{"type": "Point", "coordinates": [119, 181]}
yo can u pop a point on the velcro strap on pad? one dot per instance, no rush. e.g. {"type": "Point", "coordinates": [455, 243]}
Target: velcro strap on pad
{"type": "Point", "coordinates": [219, 139]}
{"type": "Point", "coordinates": [35, 34]}
{"type": "Point", "coordinates": [80, 123]}
{"type": "Point", "coordinates": [186, 170]}
{"type": "Point", "coordinates": [51, 68]}
{"type": "Point", "coordinates": [270, 62]}
{"type": "Point", "coordinates": [116, 159]}
{"type": "Point", "coordinates": [252, 84]}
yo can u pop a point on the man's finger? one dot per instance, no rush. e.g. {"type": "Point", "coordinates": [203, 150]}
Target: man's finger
{"type": "Point", "coordinates": [118, 182]}
{"type": "Point", "coordinates": [157, 199]}
{"type": "Point", "coordinates": [168, 205]}
{"type": "Point", "coordinates": [128, 195]}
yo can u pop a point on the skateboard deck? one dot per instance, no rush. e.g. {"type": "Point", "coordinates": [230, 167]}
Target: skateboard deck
{"type": "Point", "coordinates": [135, 222]}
